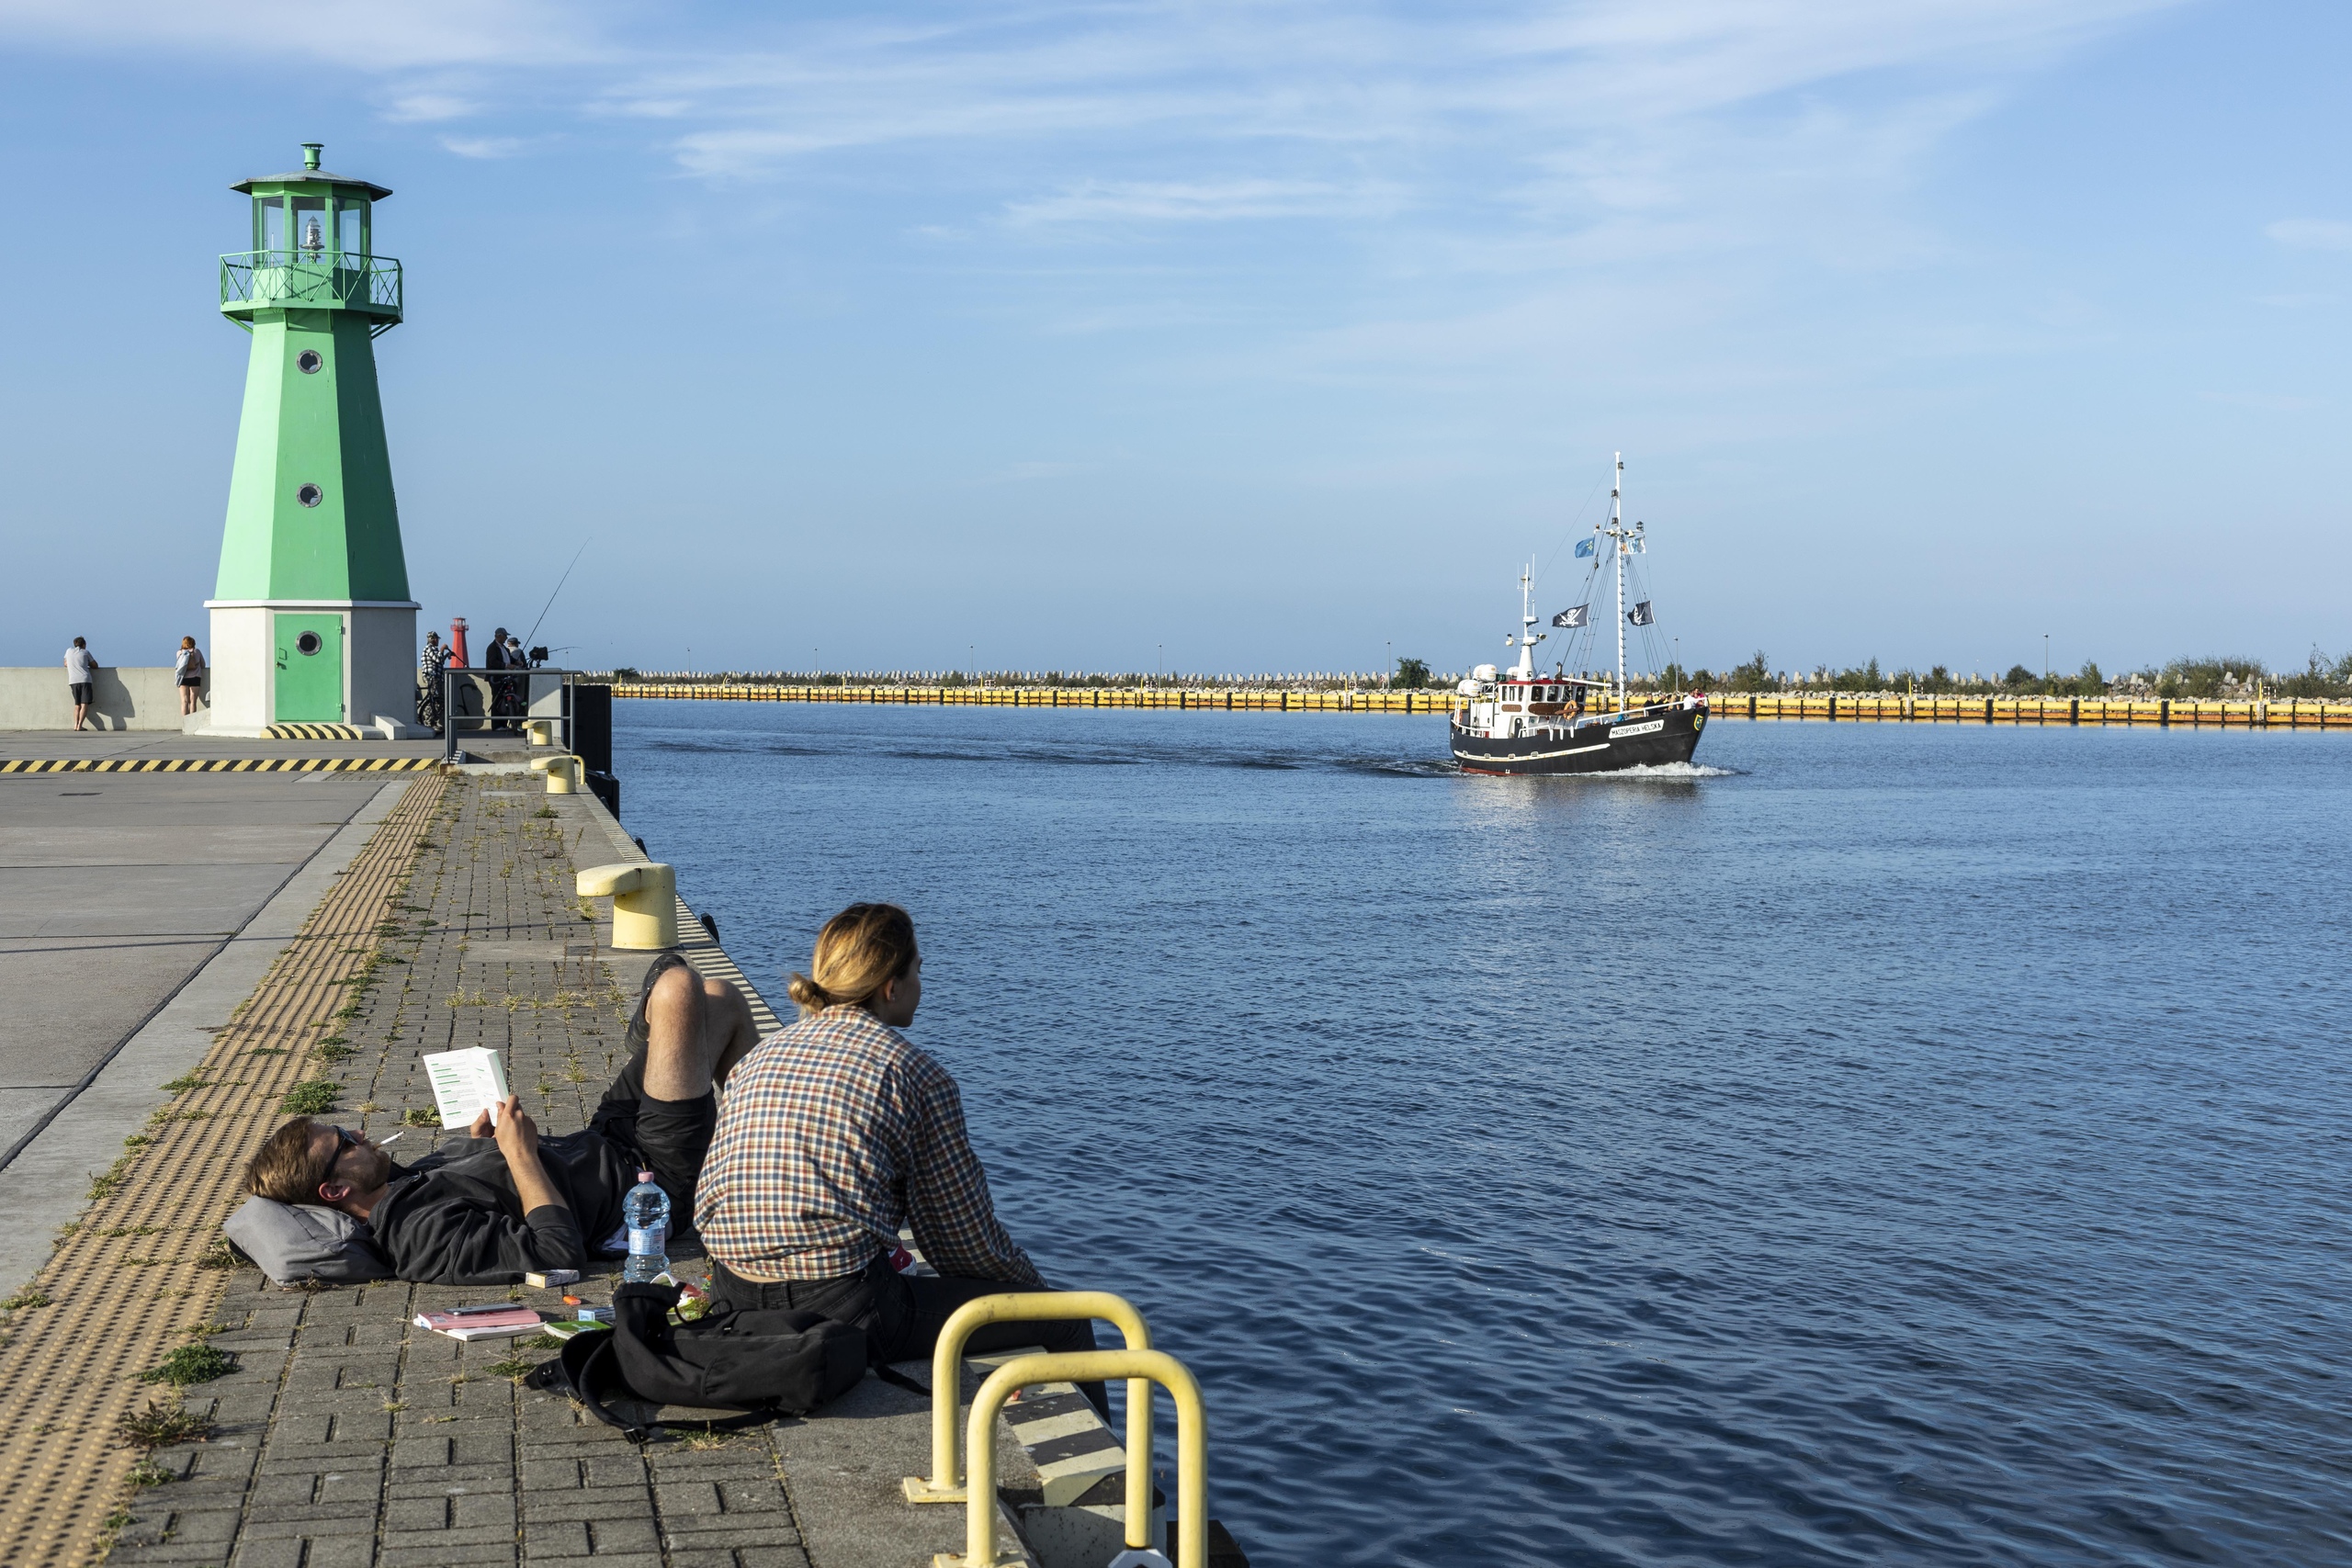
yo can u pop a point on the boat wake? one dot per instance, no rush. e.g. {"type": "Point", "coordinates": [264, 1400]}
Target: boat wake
{"type": "Point", "coordinates": [1652, 773]}
{"type": "Point", "coordinates": [1669, 771]}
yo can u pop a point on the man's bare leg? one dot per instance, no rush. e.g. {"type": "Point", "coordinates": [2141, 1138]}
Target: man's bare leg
{"type": "Point", "coordinates": [696, 1031]}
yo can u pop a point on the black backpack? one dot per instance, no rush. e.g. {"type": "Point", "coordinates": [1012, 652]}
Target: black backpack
{"type": "Point", "coordinates": [766, 1362]}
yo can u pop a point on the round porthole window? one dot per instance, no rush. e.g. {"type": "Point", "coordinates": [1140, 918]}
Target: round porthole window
{"type": "Point", "coordinates": [308, 362]}
{"type": "Point", "coordinates": [307, 643]}
{"type": "Point", "coordinates": [309, 495]}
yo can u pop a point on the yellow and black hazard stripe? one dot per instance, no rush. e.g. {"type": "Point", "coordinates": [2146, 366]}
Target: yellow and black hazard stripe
{"type": "Point", "coordinates": [318, 732]}
{"type": "Point", "coordinates": [218, 765]}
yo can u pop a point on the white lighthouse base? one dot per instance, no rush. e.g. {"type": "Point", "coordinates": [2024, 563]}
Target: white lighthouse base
{"type": "Point", "coordinates": [380, 659]}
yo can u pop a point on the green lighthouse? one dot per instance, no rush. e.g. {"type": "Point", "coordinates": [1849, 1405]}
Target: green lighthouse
{"type": "Point", "coordinates": [312, 619]}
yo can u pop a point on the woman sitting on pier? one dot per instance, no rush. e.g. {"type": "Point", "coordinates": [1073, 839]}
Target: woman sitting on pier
{"type": "Point", "coordinates": [839, 1130]}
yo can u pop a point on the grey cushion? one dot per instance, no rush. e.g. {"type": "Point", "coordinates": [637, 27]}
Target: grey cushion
{"type": "Point", "coordinates": [293, 1242]}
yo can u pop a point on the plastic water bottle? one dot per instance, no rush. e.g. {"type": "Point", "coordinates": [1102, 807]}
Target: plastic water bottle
{"type": "Point", "coordinates": [646, 1212]}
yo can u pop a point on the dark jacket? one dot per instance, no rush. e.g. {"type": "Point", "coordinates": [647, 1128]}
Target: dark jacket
{"type": "Point", "coordinates": [454, 1218]}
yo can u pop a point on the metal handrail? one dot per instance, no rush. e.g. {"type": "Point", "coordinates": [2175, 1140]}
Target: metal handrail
{"type": "Point", "coordinates": [946, 1483]}
{"type": "Point", "coordinates": [450, 717]}
{"type": "Point", "coordinates": [1145, 1366]}
{"type": "Point", "coordinates": [304, 276]}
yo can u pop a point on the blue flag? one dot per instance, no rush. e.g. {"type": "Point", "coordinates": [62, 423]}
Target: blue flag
{"type": "Point", "coordinates": [1584, 546]}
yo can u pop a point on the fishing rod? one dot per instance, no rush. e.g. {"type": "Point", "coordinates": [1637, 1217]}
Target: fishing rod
{"type": "Point", "coordinates": [558, 588]}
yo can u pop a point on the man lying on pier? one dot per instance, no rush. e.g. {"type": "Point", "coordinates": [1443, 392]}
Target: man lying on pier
{"type": "Point", "coordinates": [507, 1201]}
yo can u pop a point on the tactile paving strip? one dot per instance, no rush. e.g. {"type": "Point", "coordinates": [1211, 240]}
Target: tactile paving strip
{"type": "Point", "coordinates": [123, 1284]}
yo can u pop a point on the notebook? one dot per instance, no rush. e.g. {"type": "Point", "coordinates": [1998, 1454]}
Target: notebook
{"type": "Point", "coordinates": [495, 1321]}
{"type": "Point", "coordinates": [466, 1083]}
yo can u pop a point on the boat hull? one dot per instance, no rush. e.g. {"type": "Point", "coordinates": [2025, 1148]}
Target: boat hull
{"type": "Point", "coordinates": [1647, 737]}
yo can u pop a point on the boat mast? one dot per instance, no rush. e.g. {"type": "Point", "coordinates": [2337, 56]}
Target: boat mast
{"type": "Point", "coordinates": [1617, 538]}
{"type": "Point", "coordinates": [1528, 636]}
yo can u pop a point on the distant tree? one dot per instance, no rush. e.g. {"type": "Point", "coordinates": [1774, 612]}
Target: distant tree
{"type": "Point", "coordinates": [1753, 676]}
{"type": "Point", "coordinates": [2202, 677]}
{"type": "Point", "coordinates": [1411, 675]}
{"type": "Point", "coordinates": [2019, 676]}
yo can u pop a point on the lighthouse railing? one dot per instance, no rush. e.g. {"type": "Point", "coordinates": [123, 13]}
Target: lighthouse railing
{"type": "Point", "coordinates": [305, 279]}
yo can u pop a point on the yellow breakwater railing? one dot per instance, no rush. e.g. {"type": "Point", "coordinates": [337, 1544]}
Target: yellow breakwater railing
{"type": "Point", "coordinates": [945, 1483]}
{"type": "Point", "coordinates": [1177, 697]}
{"type": "Point", "coordinates": [1137, 1366]}
{"type": "Point", "coordinates": [2276, 713]}
{"type": "Point", "coordinates": [2292, 713]}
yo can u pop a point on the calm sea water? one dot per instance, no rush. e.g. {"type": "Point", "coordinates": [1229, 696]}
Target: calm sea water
{"type": "Point", "coordinates": [1908, 1144]}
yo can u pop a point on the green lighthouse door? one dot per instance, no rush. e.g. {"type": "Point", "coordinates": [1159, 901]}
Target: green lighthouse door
{"type": "Point", "coordinates": [309, 668]}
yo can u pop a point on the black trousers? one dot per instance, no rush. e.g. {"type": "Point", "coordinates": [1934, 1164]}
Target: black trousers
{"type": "Point", "coordinates": [903, 1314]}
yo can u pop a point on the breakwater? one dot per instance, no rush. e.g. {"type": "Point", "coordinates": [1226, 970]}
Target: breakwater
{"type": "Point", "coordinates": [2295, 713]}
{"type": "Point", "coordinates": [1173, 697]}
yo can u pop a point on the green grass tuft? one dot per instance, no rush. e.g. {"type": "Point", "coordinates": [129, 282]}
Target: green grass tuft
{"type": "Point", "coordinates": [311, 1098]}
{"type": "Point", "coordinates": [189, 1364]}
{"type": "Point", "coordinates": [161, 1426]}
{"type": "Point", "coordinates": [420, 1116]}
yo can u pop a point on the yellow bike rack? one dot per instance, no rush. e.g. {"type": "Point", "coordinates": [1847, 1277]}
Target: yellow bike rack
{"type": "Point", "coordinates": [946, 1481]}
{"type": "Point", "coordinates": [645, 902]}
{"type": "Point", "coordinates": [1137, 1366]}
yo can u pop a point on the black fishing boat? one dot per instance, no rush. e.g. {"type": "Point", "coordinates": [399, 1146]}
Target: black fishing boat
{"type": "Point", "coordinates": [1522, 720]}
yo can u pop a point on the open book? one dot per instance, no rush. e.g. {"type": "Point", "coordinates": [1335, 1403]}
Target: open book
{"type": "Point", "coordinates": [466, 1083]}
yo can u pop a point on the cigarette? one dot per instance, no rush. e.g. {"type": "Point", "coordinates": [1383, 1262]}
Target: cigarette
{"type": "Point", "coordinates": [395, 1138]}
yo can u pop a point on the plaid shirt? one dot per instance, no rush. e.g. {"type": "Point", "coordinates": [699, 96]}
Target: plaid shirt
{"type": "Point", "coordinates": [831, 1133]}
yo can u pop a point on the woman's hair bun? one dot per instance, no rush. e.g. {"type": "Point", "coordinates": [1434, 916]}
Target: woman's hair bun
{"type": "Point", "coordinates": [860, 950]}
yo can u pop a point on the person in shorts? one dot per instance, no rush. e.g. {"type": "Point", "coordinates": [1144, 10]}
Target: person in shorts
{"type": "Point", "coordinates": [81, 679]}
{"type": "Point", "coordinates": [505, 1201]}
{"type": "Point", "coordinates": [187, 673]}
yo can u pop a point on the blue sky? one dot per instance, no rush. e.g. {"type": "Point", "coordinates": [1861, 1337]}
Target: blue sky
{"type": "Point", "coordinates": [1274, 334]}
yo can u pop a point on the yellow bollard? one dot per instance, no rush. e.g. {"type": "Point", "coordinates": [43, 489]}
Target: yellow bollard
{"type": "Point", "coordinates": [1191, 1449]}
{"type": "Point", "coordinates": [645, 902]}
{"type": "Point", "coordinates": [946, 1481]}
{"type": "Point", "coordinates": [539, 732]}
{"type": "Point", "coordinates": [563, 773]}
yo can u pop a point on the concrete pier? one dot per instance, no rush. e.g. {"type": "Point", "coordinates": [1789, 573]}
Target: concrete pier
{"type": "Point", "coordinates": [335, 926]}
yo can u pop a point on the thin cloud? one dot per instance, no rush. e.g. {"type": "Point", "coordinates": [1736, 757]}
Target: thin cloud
{"type": "Point", "coordinates": [427, 109]}
{"type": "Point", "coordinates": [1197, 201]}
{"type": "Point", "coordinates": [365, 36]}
{"type": "Point", "coordinates": [2312, 233]}
{"type": "Point", "coordinates": [491, 146]}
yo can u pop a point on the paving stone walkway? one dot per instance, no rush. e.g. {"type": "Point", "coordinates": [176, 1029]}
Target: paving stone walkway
{"type": "Point", "coordinates": [346, 1438]}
